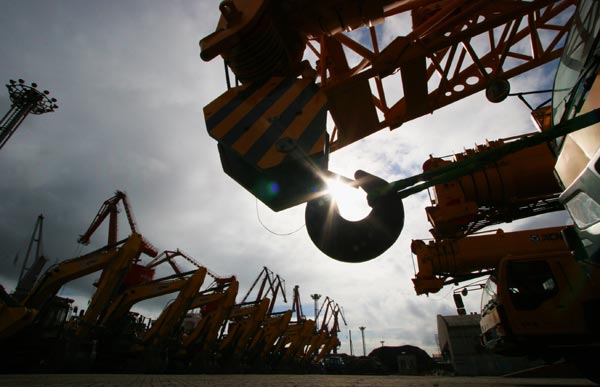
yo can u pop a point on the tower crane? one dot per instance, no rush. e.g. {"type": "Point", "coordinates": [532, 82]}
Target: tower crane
{"type": "Point", "coordinates": [296, 61]}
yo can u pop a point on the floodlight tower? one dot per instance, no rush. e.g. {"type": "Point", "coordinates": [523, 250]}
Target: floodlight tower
{"type": "Point", "coordinates": [316, 298]}
{"type": "Point", "coordinates": [25, 99]}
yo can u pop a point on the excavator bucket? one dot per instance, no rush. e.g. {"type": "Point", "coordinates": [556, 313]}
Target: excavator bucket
{"type": "Point", "coordinates": [272, 138]}
{"type": "Point", "coordinates": [356, 241]}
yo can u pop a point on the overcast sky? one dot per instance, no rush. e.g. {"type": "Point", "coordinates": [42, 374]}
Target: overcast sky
{"type": "Point", "coordinates": [131, 88]}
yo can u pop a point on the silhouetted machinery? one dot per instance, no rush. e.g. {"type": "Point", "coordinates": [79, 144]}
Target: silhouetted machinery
{"type": "Point", "coordinates": [297, 61]}
{"type": "Point", "coordinates": [542, 296]}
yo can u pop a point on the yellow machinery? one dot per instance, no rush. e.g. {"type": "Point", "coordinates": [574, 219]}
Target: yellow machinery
{"type": "Point", "coordinates": [111, 281]}
{"type": "Point", "coordinates": [245, 321]}
{"type": "Point", "coordinates": [294, 62]}
{"type": "Point", "coordinates": [543, 294]}
{"type": "Point", "coordinates": [549, 304]}
{"type": "Point", "coordinates": [271, 330]}
{"type": "Point", "coordinates": [331, 325]}
{"type": "Point", "coordinates": [121, 305]}
{"type": "Point", "coordinates": [163, 328]}
{"type": "Point", "coordinates": [215, 304]}
{"type": "Point", "coordinates": [545, 304]}
{"type": "Point", "coordinates": [13, 316]}
{"type": "Point", "coordinates": [538, 300]}
{"type": "Point", "coordinates": [517, 186]}
{"type": "Point", "coordinates": [58, 275]}
{"type": "Point", "coordinates": [451, 261]}
{"type": "Point", "coordinates": [252, 325]}
{"type": "Point", "coordinates": [291, 345]}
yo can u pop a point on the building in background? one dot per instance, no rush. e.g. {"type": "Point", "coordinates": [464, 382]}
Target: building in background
{"type": "Point", "coordinates": [460, 346]}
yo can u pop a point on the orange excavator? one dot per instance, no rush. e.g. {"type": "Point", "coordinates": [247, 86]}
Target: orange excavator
{"type": "Point", "coordinates": [294, 62]}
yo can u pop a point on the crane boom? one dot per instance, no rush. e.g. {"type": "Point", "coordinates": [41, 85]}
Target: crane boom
{"type": "Point", "coordinates": [447, 261]}
{"type": "Point", "coordinates": [110, 209]}
{"type": "Point", "coordinates": [298, 61]}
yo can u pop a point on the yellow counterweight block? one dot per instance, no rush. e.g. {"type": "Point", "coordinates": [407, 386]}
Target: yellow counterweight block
{"type": "Point", "coordinates": [272, 138]}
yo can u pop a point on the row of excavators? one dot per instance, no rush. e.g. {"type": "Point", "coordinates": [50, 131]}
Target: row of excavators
{"type": "Point", "coordinates": [542, 297]}
{"type": "Point", "coordinates": [202, 329]}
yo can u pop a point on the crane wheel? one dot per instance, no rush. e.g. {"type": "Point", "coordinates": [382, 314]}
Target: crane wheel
{"type": "Point", "coordinates": [356, 241]}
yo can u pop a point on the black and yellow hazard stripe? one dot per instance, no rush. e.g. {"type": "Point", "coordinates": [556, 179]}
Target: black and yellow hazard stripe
{"type": "Point", "coordinates": [250, 119]}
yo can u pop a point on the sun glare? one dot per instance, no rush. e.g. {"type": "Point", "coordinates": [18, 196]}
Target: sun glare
{"type": "Point", "coordinates": [352, 202]}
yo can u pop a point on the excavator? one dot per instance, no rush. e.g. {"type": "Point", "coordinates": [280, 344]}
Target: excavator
{"type": "Point", "coordinates": [291, 344]}
{"type": "Point", "coordinates": [301, 340]}
{"type": "Point", "coordinates": [198, 348]}
{"type": "Point", "coordinates": [330, 325]}
{"type": "Point", "coordinates": [119, 328]}
{"type": "Point", "coordinates": [261, 346]}
{"type": "Point", "coordinates": [295, 62]}
{"type": "Point", "coordinates": [252, 323]}
{"type": "Point", "coordinates": [75, 339]}
{"type": "Point", "coordinates": [294, 342]}
{"type": "Point", "coordinates": [152, 350]}
{"type": "Point", "coordinates": [13, 316]}
{"type": "Point", "coordinates": [52, 311]}
{"type": "Point", "coordinates": [243, 323]}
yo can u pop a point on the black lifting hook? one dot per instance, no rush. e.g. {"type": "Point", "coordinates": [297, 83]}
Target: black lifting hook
{"type": "Point", "coordinates": [356, 241]}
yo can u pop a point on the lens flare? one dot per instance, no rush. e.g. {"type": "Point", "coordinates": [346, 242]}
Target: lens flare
{"type": "Point", "coordinates": [352, 202]}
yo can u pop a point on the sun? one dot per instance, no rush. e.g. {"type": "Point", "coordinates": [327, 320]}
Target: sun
{"type": "Point", "coordinates": [351, 201]}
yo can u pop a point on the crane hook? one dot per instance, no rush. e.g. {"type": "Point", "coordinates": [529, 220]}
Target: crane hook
{"type": "Point", "coordinates": [356, 241]}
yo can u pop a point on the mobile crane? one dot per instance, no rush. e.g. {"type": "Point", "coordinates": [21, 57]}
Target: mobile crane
{"type": "Point", "coordinates": [271, 129]}
{"type": "Point", "coordinates": [538, 300]}
{"type": "Point", "coordinates": [451, 261]}
{"type": "Point", "coordinates": [517, 186]}
{"type": "Point", "coordinates": [545, 303]}
{"type": "Point", "coordinates": [551, 305]}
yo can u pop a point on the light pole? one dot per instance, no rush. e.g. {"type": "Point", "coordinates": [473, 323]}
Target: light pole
{"type": "Point", "coordinates": [316, 297]}
{"type": "Point", "coordinates": [351, 346]}
{"type": "Point", "coordinates": [362, 331]}
{"type": "Point", "coordinates": [25, 99]}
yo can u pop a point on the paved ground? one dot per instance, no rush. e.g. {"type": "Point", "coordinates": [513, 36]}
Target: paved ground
{"type": "Point", "coordinates": [277, 381]}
